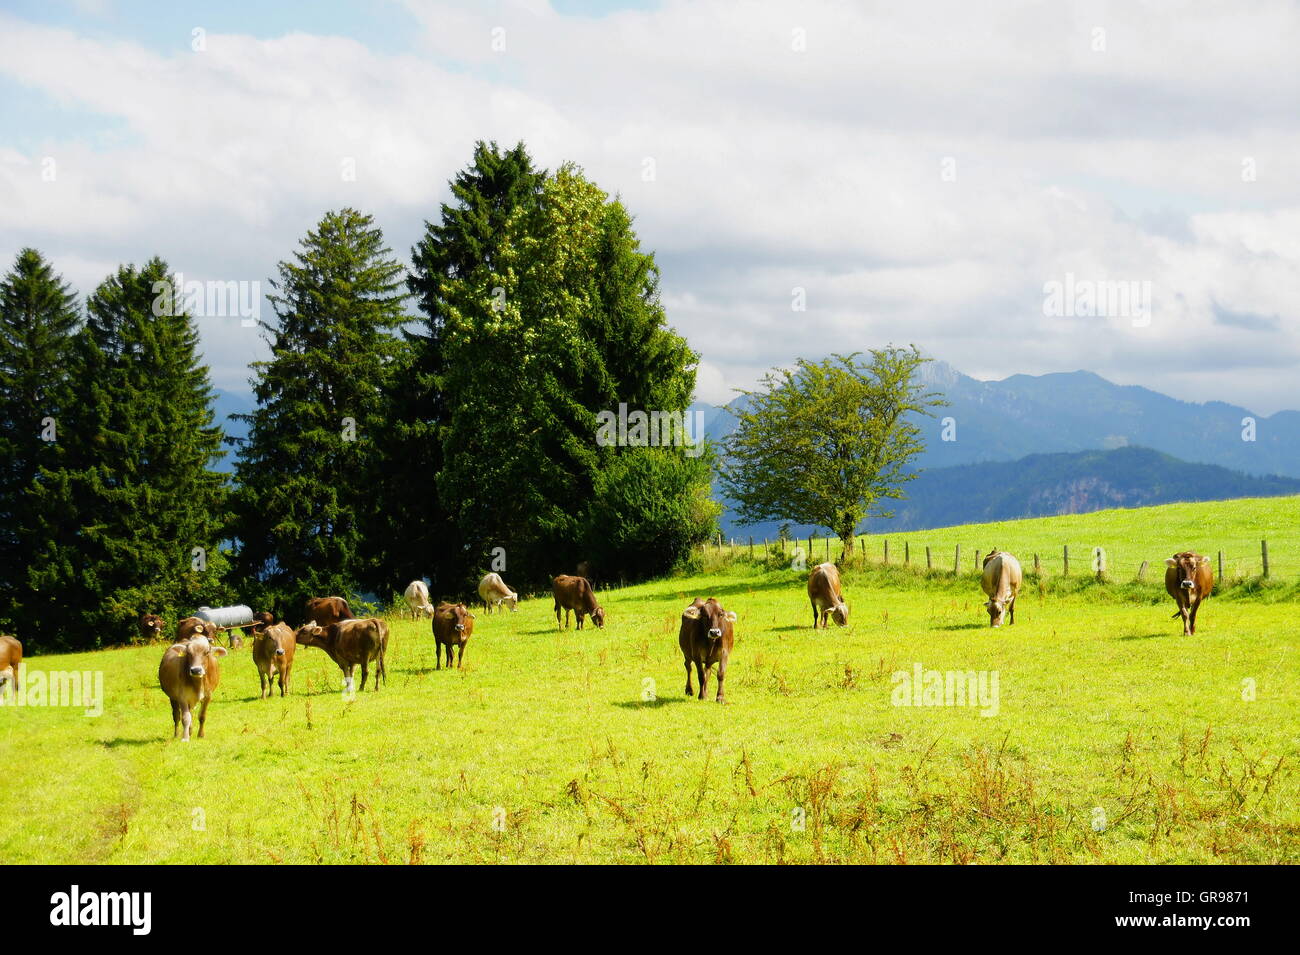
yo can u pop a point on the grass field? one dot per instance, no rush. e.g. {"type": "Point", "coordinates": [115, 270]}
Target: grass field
{"type": "Point", "coordinates": [1116, 739]}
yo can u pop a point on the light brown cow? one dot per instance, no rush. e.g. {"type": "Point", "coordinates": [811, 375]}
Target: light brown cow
{"type": "Point", "coordinates": [349, 643]}
{"type": "Point", "coordinates": [189, 627]}
{"type": "Point", "coordinates": [189, 674]}
{"type": "Point", "coordinates": [453, 625]}
{"type": "Point", "coordinates": [326, 610]}
{"type": "Point", "coordinates": [575, 594]}
{"type": "Point", "coordinates": [150, 626]}
{"type": "Point", "coordinates": [1189, 580]}
{"type": "Point", "coordinates": [1001, 582]}
{"type": "Point", "coordinates": [706, 637]}
{"type": "Point", "coordinates": [11, 658]}
{"type": "Point", "coordinates": [492, 590]}
{"type": "Point", "coordinates": [827, 600]}
{"type": "Point", "coordinates": [273, 653]}
{"type": "Point", "coordinates": [417, 598]}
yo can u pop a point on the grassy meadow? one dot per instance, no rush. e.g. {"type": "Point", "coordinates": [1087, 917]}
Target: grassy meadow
{"type": "Point", "coordinates": [1115, 740]}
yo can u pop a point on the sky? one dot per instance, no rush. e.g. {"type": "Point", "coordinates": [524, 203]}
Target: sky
{"type": "Point", "coordinates": [1015, 187]}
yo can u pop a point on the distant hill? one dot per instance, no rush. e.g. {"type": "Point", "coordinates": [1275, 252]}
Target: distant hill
{"type": "Point", "coordinates": [1080, 411]}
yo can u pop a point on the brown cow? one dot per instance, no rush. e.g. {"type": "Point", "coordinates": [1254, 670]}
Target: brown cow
{"type": "Point", "coordinates": [1189, 580]}
{"type": "Point", "coordinates": [273, 653]}
{"type": "Point", "coordinates": [326, 610]}
{"type": "Point", "coordinates": [1000, 581]}
{"type": "Point", "coordinates": [824, 592]}
{"type": "Point", "coordinates": [260, 622]}
{"type": "Point", "coordinates": [453, 625]}
{"type": "Point", "coordinates": [190, 627]}
{"type": "Point", "coordinates": [150, 626]}
{"type": "Point", "coordinates": [348, 643]}
{"type": "Point", "coordinates": [706, 638]}
{"type": "Point", "coordinates": [575, 594]}
{"type": "Point", "coordinates": [188, 674]}
{"type": "Point", "coordinates": [11, 658]}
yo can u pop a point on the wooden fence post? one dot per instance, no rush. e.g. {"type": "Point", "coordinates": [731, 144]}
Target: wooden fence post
{"type": "Point", "coordinates": [1220, 565]}
{"type": "Point", "coordinates": [927, 556]}
{"type": "Point", "coordinates": [1066, 557]}
{"type": "Point", "coordinates": [886, 550]}
{"type": "Point", "coordinates": [1038, 568]}
{"type": "Point", "coordinates": [1263, 553]}
{"type": "Point", "coordinates": [956, 560]}
{"type": "Point", "coordinates": [1142, 571]}
{"type": "Point", "coordinates": [907, 553]}
{"type": "Point", "coordinates": [751, 548]}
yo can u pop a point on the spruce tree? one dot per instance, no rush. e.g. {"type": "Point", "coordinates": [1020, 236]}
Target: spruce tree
{"type": "Point", "coordinates": [131, 519]}
{"type": "Point", "coordinates": [38, 317]}
{"type": "Point", "coordinates": [310, 473]}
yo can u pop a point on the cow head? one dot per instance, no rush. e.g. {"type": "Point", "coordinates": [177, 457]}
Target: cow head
{"type": "Point", "coordinates": [151, 625]}
{"type": "Point", "coordinates": [512, 599]}
{"type": "Point", "coordinates": [462, 617]}
{"type": "Point", "coordinates": [262, 620]}
{"type": "Point", "coordinates": [997, 609]}
{"type": "Point", "coordinates": [197, 655]}
{"type": "Point", "coordinates": [276, 637]}
{"type": "Point", "coordinates": [310, 634]}
{"type": "Point", "coordinates": [598, 617]}
{"type": "Point", "coordinates": [1185, 566]}
{"type": "Point", "coordinates": [713, 620]}
{"type": "Point", "coordinates": [840, 614]}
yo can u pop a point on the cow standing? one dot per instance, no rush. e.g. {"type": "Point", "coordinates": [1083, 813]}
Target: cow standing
{"type": "Point", "coordinates": [150, 626]}
{"type": "Point", "coordinates": [824, 593]}
{"type": "Point", "coordinates": [706, 637]}
{"type": "Point", "coordinates": [575, 594]}
{"type": "Point", "coordinates": [1001, 583]}
{"type": "Point", "coordinates": [453, 625]}
{"type": "Point", "coordinates": [190, 627]}
{"type": "Point", "coordinates": [417, 598]}
{"type": "Point", "coordinates": [1189, 580]}
{"type": "Point", "coordinates": [349, 643]}
{"type": "Point", "coordinates": [188, 674]}
{"type": "Point", "coordinates": [325, 611]}
{"type": "Point", "coordinates": [492, 590]}
{"type": "Point", "coordinates": [273, 653]}
{"type": "Point", "coordinates": [11, 658]}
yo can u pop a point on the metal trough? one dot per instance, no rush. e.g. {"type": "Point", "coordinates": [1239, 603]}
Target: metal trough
{"type": "Point", "coordinates": [226, 618]}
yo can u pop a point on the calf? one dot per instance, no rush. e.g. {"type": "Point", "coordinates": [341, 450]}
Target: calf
{"type": "Point", "coordinates": [417, 598]}
{"type": "Point", "coordinates": [824, 592]}
{"type": "Point", "coordinates": [453, 625]}
{"type": "Point", "coordinates": [348, 643]}
{"type": "Point", "coordinates": [273, 653]}
{"type": "Point", "coordinates": [150, 626]}
{"type": "Point", "coordinates": [492, 590]}
{"type": "Point", "coordinates": [706, 637]}
{"type": "Point", "coordinates": [575, 594]}
{"type": "Point", "coordinates": [326, 610]}
{"type": "Point", "coordinates": [1001, 582]}
{"type": "Point", "coordinates": [188, 674]}
{"type": "Point", "coordinates": [1189, 580]}
{"type": "Point", "coordinates": [11, 658]}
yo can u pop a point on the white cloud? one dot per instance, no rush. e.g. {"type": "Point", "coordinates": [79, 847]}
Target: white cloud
{"type": "Point", "coordinates": [773, 168]}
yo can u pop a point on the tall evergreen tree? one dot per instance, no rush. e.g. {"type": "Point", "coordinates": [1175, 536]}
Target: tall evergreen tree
{"type": "Point", "coordinates": [422, 536]}
{"type": "Point", "coordinates": [311, 470]}
{"type": "Point", "coordinates": [38, 317]}
{"type": "Point", "coordinates": [131, 518]}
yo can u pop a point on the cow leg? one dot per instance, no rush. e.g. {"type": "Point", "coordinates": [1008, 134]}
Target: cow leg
{"type": "Point", "coordinates": [579, 615]}
{"type": "Point", "coordinates": [1195, 607]}
{"type": "Point", "coordinates": [722, 673]}
{"type": "Point", "coordinates": [348, 677]}
{"type": "Point", "coordinates": [261, 678]}
{"type": "Point", "coordinates": [460, 657]}
{"type": "Point", "coordinates": [203, 714]}
{"type": "Point", "coordinates": [187, 720]}
{"type": "Point", "coordinates": [1187, 628]}
{"type": "Point", "coordinates": [1011, 610]}
{"type": "Point", "coordinates": [284, 675]}
{"type": "Point", "coordinates": [558, 625]}
{"type": "Point", "coordinates": [176, 719]}
{"type": "Point", "coordinates": [365, 671]}
{"type": "Point", "coordinates": [815, 615]}
{"type": "Point", "coordinates": [689, 689]}
{"type": "Point", "coordinates": [702, 671]}
{"type": "Point", "coordinates": [437, 651]}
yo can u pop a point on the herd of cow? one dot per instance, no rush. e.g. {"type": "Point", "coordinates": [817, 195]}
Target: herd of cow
{"type": "Point", "coordinates": [190, 669]}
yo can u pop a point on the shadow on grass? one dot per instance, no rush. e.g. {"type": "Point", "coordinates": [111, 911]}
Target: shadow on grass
{"type": "Point", "coordinates": [965, 626]}
{"type": "Point", "coordinates": [1145, 636]}
{"type": "Point", "coordinates": [654, 704]}
{"type": "Point", "coordinates": [148, 740]}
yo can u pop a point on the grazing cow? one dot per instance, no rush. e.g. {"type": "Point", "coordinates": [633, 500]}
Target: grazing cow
{"type": "Point", "coordinates": [11, 656]}
{"type": "Point", "coordinates": [326, 610]}
{"type": "Point", "coordinates": [188, 674]}
{"type": "Point", "coordinates": [150, 625]}
{"type": "Point", "coordinates": [706, 638]}
{"type": "Point", "coordinates": [1189, 580]}
{"type": "Point", "coordinates": [417, 598]}
{"type": "Point", "coordinates": [575, 594]}
{"type": "Point", "coordinates": [824, 592]}
{"type": "Point", "coordinates": [190, 627]}
{"type": "Point", "coordinates": [453, 625]}
{"type": "Point", "coordinates": [494, 592]}
{"type": "Point", "coordinates": [348, 643]}
{"type": "Point", "coordinates": [273, 653]}
{"type": "Point", "coordinates": [1001, 582]}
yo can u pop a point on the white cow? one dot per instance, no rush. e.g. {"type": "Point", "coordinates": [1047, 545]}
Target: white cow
{"type": "Point", "coordinates": [494, 592]}
{"type": "Point", "coordinates": [417, 598]}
